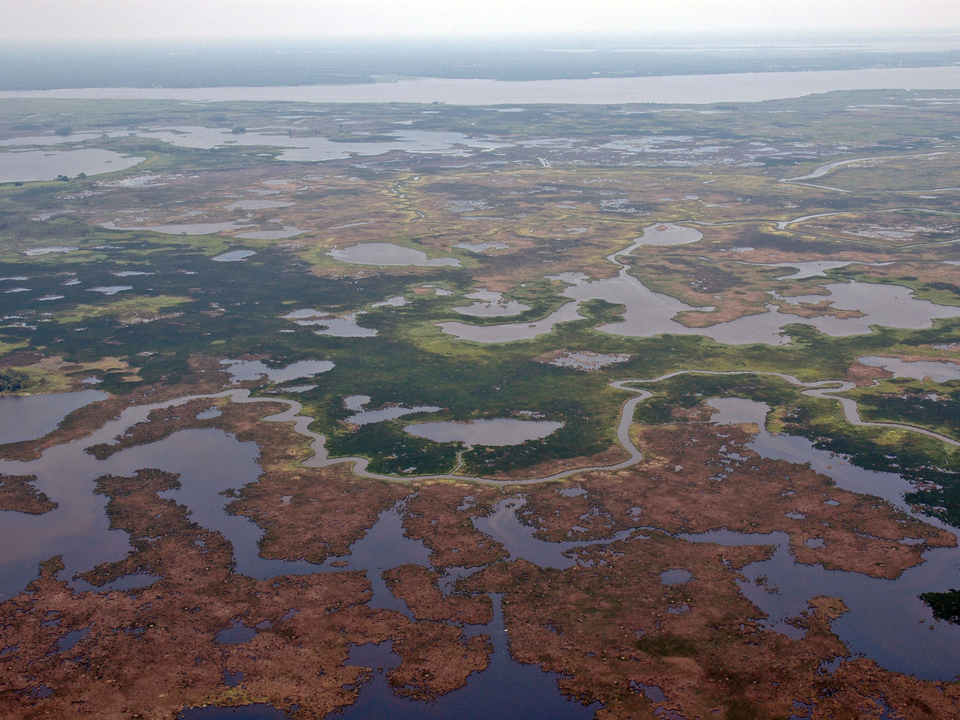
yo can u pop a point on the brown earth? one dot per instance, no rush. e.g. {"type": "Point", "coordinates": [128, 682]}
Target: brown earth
{"type": "Point", "coordinates": [700, 477]}
{"type": "Point", "coordinates": [417, 587]}
{"type": "Point", "coordinates": [153, 650]}
{"type": "Point", "coordinates": [206, 377]}
{"type": "Point", "coordinates": [866, 375]}
{"type": "Point", "coordinates": [440, 514]}
{"type": "Point", "coordinates": [612, 627]}
{"type": "Point", "coordinates": [18, 494]}
{"type": "Point", "coordinates": [611, 456]}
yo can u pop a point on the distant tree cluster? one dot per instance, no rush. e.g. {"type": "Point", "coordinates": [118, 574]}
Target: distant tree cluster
{"type": "Point", "coordinates": [945, 605]}
{"type": "Point", "coordinates": [13, 380]}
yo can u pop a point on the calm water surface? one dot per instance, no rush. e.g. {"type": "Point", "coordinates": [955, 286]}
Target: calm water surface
{"type": "Point", "coordinates": [387, 254]}
{"type": "Point", "coordinates": [496, 432]}
{"type": "Point", "coordinates": [733, 87]}
{"type": "Point", "coordinates": [505, 690]}
{"type": "Point", "coordinates": [33, 416]}
{"type": "Point", "coordinates": [917, 370]}
{"type": "Point", "coordinates": [31, 165]}
{"type": "Point", "coordinates": [883, 622]}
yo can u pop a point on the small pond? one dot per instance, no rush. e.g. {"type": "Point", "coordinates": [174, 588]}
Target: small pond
{"type": "Point", "coordinates": [388, 254]}
{"type": "Point", "coordinates": [257, 205]}
{"type": "Point", "coordinates": [33, 165]}
{"type": "Point", "coordinates": [917, 370]}
{"type": "Point", "coordinates": [234, 256]}
{"type": "Point", "coordinates": [491, 304]}
{"type": "Point", "coordinates": [282, 233]}
{"type": "Point", "coordinates": [327, 324]}
{"type": "Point", "coordinates": [241, 370]}
{"type": "Point", "coordinates": [497, 432]}
{"type": "Point", "coordinates": [664, 234]}
{"type": "Point", "coordinates": [28, 417]}
{"type": "Point", "coordinates": [50, 249]}
{"type": "Point", "coordinates": [480, 247]}
{"type": "Point", "coordinates": [180, 229]}
{"type": "Point", "coordinates": [361, 416]}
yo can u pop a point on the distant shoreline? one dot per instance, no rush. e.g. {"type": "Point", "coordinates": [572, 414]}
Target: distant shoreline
{"type": "Point", "coordinates": [663, 89]}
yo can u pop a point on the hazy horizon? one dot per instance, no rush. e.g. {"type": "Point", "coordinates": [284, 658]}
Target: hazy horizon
{"type": "Point", "coordinates": [118, 20]}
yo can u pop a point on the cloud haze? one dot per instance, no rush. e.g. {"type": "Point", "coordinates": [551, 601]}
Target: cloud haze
{"type": "Point", "coordinates": [39, 20]}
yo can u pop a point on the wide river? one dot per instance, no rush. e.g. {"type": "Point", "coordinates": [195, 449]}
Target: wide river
{"type": "Point", "coordinates": [734, 87]}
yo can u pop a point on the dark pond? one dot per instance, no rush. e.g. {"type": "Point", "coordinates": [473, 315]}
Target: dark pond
{"type": "Point", "coordinates": [506, 690]}
{"type": "Point", "coordinates": [33, 416]}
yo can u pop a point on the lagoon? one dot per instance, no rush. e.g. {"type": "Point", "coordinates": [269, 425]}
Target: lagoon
{"type": "Point", "coordinates": [693, 89]}
{"type": "Point", "coordinates": [33, 165]}
{"type": "Point", "coordinates": [497, 432]}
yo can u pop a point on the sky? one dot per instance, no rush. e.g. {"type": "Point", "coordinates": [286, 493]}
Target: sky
{"type": "Point", "coordinates": [95, 20]}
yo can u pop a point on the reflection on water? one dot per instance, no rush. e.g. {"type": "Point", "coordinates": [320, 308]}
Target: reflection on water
{"type": "Point", "coordinates": [384, 546]}
{"type": "Point", "coordinates": [244, 712]}
{"type": "Point", "coordinates": [513, 331]}
{"type": "Point", "coordinates": [506, 690]}
{"type": "Point", "coordinates": [28, 166]}
{"type": "Point", "coordinates": [209, 462]}
{"type": "Point", "coordinates": [234, 256]}
{"type": "Point", "coordinates": [497, 432]}
{"type": "Point", "coordinates": [809, 269]}
{"type": "Point", "coordinates": [33, 252]}
{"type": "Point", "coordinates": [111, 289]}
{"type": "Point", "coordinates": [285, 232]}
{"type": "Point", "coordinates": [887, 622]}
{"type": "Point", "coordinates": [388, 254]}
{"type": "Point", "coordinates": [665, 234]}
{"type": "Point", "coordinates": [491, 304]}
{"type": "Point", "coordinates": [395, 301]}
{"type": "Point", "coordinates": [344, 326]}
{"type": "Point", "coordinates": [318, 149]}
{"type": "Point", "coordinates": [675, 576]}
{"type": "Point", "coordinates": [727, 87]}
{"type": "Point", "coordinates": [367, 417]}
{"type": "Point", "coordinates": [801, 451]}
{"type": "Point", "coordinates": [236, 634]}
{"type": "Point", "coordinates": [33, 416]}
{"type": "Point", "coordinates": [183, 229]}
{"type": "Point", "coordinates": [257, 205]}
{"type": "Point", "coordinates": [241, 370]}
{"type": "Point", "coordinates": [918, 370]}
{"type": "Point", "coordinates": [648, 313]}
{"type": "Point", "coordinates": [505, 527]}
{"type": "Point", "coordinates": [884, 622]}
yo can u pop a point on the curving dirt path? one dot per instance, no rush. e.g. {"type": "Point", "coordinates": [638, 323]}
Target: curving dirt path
{"type": "Point", "coordinates": [825, 389]}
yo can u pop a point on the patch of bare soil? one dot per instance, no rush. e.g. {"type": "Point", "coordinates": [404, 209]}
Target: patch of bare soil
{"type": "Point", "coordinates": [206, 377]}
{"type": "Point", "coordinates": [865, 375]}
{"type": "Point", "coordinates": [152, 651]}
{"type": "Point", "coordinates": [417, 586]}
{"type": "Point", "coordinates": [17, 493]}
{"type": "Point", "coordinates": [613, 628]}
{"type": "Point", "coordinates": [696, 478]}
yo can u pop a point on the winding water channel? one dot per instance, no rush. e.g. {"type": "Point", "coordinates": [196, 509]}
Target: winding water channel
{"type": "Point", "coordinates": [884, 621]}
{"type": "Point", "coordinates": [648, 313]}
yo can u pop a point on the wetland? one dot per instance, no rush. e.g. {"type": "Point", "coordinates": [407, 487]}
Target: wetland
{"type": "Point", "coordinates": [423, 410]}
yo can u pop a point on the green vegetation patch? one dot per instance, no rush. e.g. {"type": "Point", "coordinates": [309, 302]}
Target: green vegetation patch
{"type": "Point", "coordinates": [945, 605]}
{"type": "Point", "coordinates": [14, 381]}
